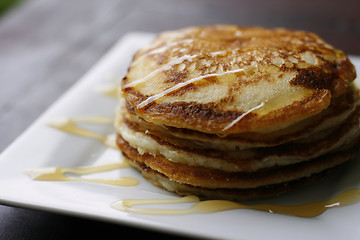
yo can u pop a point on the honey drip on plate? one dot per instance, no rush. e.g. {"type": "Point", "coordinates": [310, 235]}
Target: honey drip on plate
{"type": "Point", "coordinates": [59, 174]}
{"type": "Point", "coordinates": [109, 90]}
{"type": "Point", "coordinates": [69, 125]}
{"type": "Point", "coordinates": [306, 210]}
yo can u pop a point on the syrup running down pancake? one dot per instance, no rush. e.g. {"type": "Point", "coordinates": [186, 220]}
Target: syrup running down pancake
{"type": "Point", "coordinates": [237, 113]}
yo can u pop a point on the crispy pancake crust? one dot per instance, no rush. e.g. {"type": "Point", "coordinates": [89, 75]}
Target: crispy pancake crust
{"type": "Point", "coordinates": [247, 160]}
{"type": "Point", "coordinates": [208, 178]}
{"type": "Point", "coordinates": [340, 108]}
{"type": "Point", "coordinates": [181, 189]}
{"type": "Point", "coordinates": [237, 113]}
{"type": "Point", "coordinates": [228, 79]}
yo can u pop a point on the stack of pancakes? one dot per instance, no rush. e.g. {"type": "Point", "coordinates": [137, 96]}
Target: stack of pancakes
{"type": "Point", "coordinates": [226, 112]}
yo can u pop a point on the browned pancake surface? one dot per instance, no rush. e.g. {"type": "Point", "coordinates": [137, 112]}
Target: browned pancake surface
{"type": "Point", "coordinates": [237, 113]}
{"type": "Point", "coordinates": [200, 176]}
{"type": "Point", "coordinates": [242, 160]}
{"type": "Point", "coordinates": [340, 108]}
{"type": "Point", "coordinates": [210, 78]}
{"type": "Point", "coordinates": [185, 180]}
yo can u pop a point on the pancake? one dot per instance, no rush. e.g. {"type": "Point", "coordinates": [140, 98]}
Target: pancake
{"type": "Point", "coordinates": [228, 112]}
{"type": "Point", "coordinates": [247, 160]}
{"type": "Point", "coordinates": [208, 183]}
{"type": "Point", "coordinates": [340, 108]}
{"type": "Point", "coordinates": [207, 78]}
{"type": "Point", "coordinates": [248, 194]}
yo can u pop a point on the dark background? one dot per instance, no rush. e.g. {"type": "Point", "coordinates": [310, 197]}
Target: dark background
{"type": "Point", "coordinates": [47, 45]}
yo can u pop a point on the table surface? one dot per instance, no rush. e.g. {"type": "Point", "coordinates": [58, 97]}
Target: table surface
{"type": "Point", "coordinates": [47, 45]}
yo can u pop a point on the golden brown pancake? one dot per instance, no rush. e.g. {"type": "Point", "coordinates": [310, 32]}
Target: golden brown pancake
{"type": "Point", "coordinates": [237, 113]}
{"type": "Point", "coordinates": [207, 78]}
{"type": "Point", "coordinates": [164, 182]}
{"type": "Point", "coordinates": [246, 160]}
{"type": "Point", "coordinates": [340, 108]}
{"type": "Point", "coordinates": [186, 180]}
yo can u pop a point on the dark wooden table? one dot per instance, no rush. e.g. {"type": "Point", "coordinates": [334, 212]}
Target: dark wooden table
{"type": "Point", "coordinates": [47, 45]}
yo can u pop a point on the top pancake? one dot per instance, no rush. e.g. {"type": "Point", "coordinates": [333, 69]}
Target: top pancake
{"type": "Point", "coordinates": [227, 79]}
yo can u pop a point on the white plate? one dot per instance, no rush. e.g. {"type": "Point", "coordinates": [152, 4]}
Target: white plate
{"type": "Point", "coordinates": [41, 146]}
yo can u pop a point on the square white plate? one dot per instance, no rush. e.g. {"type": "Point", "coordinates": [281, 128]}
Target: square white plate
{"type": "Point", "coordinates": [41, 146]}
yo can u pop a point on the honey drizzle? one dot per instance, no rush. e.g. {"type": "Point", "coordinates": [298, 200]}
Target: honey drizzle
{"type": "Point", "coordinates": [181, 85]}
{"type": "Point", "coordinates": [170, 64]}
{"type": "Point", "coordinates": [306, 210]}
{"type": "Point", "coordinates": [159, 70]}
{"type": "Point", "coordinates": [241, 117]}
{"type": "Point", "coordinates": [68, 125]}
{"type": "Point", "coordinates": [161, 49]}
{"type": "Point", "coordinates": [108, 90]}
{"type": "Point", "coordinates": [173, 62]}
{"type": "Point", "coordinates": [59, 174]}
